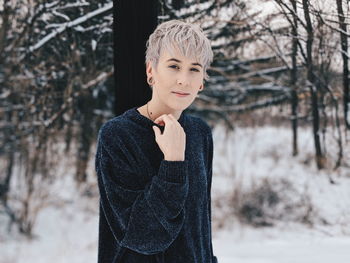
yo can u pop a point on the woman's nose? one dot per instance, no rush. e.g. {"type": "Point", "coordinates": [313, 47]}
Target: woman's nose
{"type": "Point", "coordinates": [182, 80]}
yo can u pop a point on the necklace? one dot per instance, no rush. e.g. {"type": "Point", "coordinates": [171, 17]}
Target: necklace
{"type": "Point", "coordinates": [148, 112]}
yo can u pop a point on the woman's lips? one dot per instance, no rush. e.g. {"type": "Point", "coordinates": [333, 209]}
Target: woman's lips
{"type": "Point", "coordinates": [180, 94]}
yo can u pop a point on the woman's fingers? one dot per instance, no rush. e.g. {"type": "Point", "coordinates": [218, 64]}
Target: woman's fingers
{"type": "Point", "coordinates": [165, 119]}
{"type": "Point", "coordinates": [172, 141]}
{"type": "Point", "coordinates": [172, 117]}
{"type": "Point", "coordinates": [159, 120]}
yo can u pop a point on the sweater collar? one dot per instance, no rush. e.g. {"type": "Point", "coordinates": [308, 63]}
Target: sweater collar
{"type": "Point", "coordinates": [134, 114]}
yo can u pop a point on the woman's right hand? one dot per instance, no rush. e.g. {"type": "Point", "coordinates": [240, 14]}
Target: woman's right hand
{"type": "Point", "coordinates": [173, 140]}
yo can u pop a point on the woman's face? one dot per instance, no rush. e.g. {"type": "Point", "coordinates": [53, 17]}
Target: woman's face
{"type": "Point", "coordinates": [176, 73]}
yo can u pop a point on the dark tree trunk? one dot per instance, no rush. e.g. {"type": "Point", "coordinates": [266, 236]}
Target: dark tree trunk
{"type": "Point", "coordinates": [293, 79]}
{"type": "Point", "coordinates": [344, 47]}
{"type": "Point", "coordinates": [320, 159]}
{"type": "Point", "coordinates": [85, 105]}
{"type": "Point", "coordinates": [134, 21]}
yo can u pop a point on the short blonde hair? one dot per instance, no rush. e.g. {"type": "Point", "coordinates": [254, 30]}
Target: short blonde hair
{"type": "Point", "coordinates": [188, 38]}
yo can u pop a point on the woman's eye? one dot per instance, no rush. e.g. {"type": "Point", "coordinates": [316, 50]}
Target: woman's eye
{"type": "Point", "coordinates": [176, 67]}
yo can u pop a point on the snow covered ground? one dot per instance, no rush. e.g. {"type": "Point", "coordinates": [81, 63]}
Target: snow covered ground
{"type": "Point", "coordinates": [242, 159]}
{"type": "Point", "coordinates": [67, 230]}
{"type": "Point", "coordinates": [279, 245]}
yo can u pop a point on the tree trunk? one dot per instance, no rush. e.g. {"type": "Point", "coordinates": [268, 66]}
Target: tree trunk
{"type": "Point", "coordinates": [320, 159]}
{"type": "Point", "coordinates": [134, 21]}
{"type": "Point", "coordinates": [344, 48]}
{"type": "Point", "coordinates": [293, 79]}
{"type": "Point", "coordinates": [85, 106]}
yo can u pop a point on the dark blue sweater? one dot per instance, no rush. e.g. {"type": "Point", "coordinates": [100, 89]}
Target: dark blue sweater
{"type": "Point", "coordinates": [151, 209]}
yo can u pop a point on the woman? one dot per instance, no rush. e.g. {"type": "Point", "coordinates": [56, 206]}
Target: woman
{"type": "Point", "coordinates": [155, 184]}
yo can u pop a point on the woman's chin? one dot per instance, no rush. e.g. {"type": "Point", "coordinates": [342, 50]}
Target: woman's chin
{"type": "Point", "coordinates": [180, 105]}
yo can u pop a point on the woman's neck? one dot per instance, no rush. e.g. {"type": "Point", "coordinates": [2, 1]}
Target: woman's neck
{"type": "Point", "coordinates": [154, 112]}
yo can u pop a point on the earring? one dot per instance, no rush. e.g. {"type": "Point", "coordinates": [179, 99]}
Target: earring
{"type": "Point", "coordinates": [150, 81]}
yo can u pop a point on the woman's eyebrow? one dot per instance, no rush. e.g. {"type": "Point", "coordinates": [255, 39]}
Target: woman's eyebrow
{"type": "Point", "coordinates": [179, 61]}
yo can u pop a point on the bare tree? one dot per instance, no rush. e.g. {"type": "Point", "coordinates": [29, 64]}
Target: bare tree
{"type": "Point", "coordinates": [56, 67]}
{"type": "Point", "coordinates": [344, 48]}
{"type": "Point", "coordinates": [293, 78]}
{"type": "Point", "coordinates": [320, 158]}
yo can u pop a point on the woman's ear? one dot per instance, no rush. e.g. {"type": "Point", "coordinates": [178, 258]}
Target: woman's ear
{"type": "Point", "coordinates": [149, 69]}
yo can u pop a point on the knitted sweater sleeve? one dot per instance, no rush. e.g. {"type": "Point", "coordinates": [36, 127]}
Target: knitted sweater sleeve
{"type": "Point", "coordinates": [210, 175]}
{"type": "Point", "coordinates": [144, 220]}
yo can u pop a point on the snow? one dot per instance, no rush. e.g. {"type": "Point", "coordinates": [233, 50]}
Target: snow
{"type": "Point", "coordinates": [67, 230]}
{"type": "Point", "coordinates": [247, 155]}
{"type": "Point", "coordinates": [282, 247]}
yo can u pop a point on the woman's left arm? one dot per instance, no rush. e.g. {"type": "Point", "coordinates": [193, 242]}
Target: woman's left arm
{"type": "Point", "coordinates": [210, 175]}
